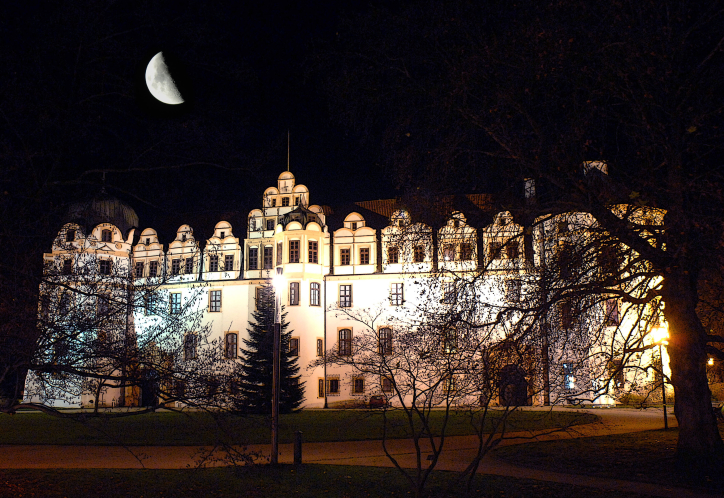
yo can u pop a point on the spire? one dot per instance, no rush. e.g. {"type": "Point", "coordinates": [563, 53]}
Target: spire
{"type": "Point", "coordinates": [287, 150]}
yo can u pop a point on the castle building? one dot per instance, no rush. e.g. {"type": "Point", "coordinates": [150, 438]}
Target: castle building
{"type": "Point", "coordinates": [368, 268]}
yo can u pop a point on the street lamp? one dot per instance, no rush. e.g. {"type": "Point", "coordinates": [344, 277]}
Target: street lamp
{"type": "Point", "coordinates": [279, 282]}
{"type": "Point", "coordinates": [660, 336]}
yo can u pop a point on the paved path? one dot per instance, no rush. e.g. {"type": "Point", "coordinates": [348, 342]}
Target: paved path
{"type": "Point", "coordinates": [457, 454]}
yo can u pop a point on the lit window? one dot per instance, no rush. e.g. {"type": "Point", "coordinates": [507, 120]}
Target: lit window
{"type": "Point", "coordinates": [189, 263]}
{"type": "Point", "coordinates": [229, 262]}
{"type": "Point", "coordinates": [268, 258]}
{"type": "Point", "coordinates": [175, 266]}
{"type": "Point", "coordinates": [313, 254]}
{"type": "Point", "coordinates": [70, 235]}
{"type": "Point", "coordinates": [253, 258]}
{"type": "Point", "coordinates": [345, 296]}
{"type": "Point", "coordinates": [214, 262]}
{"type": "Point", "coordinates": [386, 385]}
{"type": "Point", "coordinates": [106, 236]}
{"type": "Point", "coordinates": [385, 344]}
{"type": "Point", "coordinates": [293, 293]}
{"type": "Point", "coordinates": [232, 341]}
{"type": "Point", "coordinates": [345, 342]}
{"type": "Point", "coordinates": [294, 346]}
{"type": "Point", "coordinates": [215, 301]}
{"type": "Point", "coordinates": [419, 254]}
{"type": "Point", "coordinates": [358, 385]}
{"type": "Point", "coordinates": [569, 380]}
{"type": "Point", "coordinates": [320, 347]}
{"type": "Point", "coordinates": [190, 341]}
{"type": "Point", "coordinates": [139, 269]}
{"type": "Point", "coordinates": [175, 300]}
{"type": "Point", "coordinates": [314, 294]}
{"type": "Point", "coordinates": [67, 266]}
{"type": "Point", "coordinates": [285, 201]}
{"type": "Point", "coordinates": [344, 257]}
{"type": "Point", "coordinates": [364, 256]}
{"type": "Point", "coordinates": [466, 251]}
{"type": "Point", "coordinates": [153, 269]}
{"type": "Point", "coordinates": [393, 255]}
{"type": "Point", "coordinates": [294, 251]}
{"type": "Point", "coordinates": [396, 297]}
{"type": "Point", "coordinates": [104, 267]}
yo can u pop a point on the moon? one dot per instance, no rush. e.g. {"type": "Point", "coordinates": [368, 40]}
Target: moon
{"type": "Point", "coordinates": [160, 83]}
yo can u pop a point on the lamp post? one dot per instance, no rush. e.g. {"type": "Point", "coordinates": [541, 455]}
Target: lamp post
{"type": "Point", "coordinates": [660, 334]}
{"type": "Point", "coordinates": [276, 377]}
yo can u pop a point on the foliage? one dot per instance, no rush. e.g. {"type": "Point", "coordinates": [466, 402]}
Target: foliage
{"type": "Point", "coordinates": [257, 360]}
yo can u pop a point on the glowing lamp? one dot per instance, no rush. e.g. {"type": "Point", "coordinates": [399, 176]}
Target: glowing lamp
{"type": "Point", "coordinates": [279, 282]}
{"type": "Point", "coordinates": [660, 335]}
{"type": "Point", "coordinates": [710, 361]}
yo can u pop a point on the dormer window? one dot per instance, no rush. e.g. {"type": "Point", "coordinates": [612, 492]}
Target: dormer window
{"type": "Point", "coordinates": [456, 223]}
{"type": "Point", "coordinates": [183, 237]}
{"type": "Point", "coordinates": [354, 225]}
{"type": "Point", "coordinates": [148, 241]}
{"type": "Point", "coordinates": [501, 222]}
{"type": "Point", "coordinates": [400, 223]}
{"type": "Point", "coordinates": [223, 234]}
{"type": "Point", "coordinates": [70, 235]}
{"type": "Point", "coordinates": [296, 201]}
{"type": "Point", "coordinates": [285, 201]}
{"type": "Point", "coordinates": [274, 203]}
{"type": "Point", "coordinates": [106, 236]}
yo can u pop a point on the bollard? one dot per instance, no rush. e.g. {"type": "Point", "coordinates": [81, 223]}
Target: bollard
{"type": "Point", "coordinates": [298, 448]}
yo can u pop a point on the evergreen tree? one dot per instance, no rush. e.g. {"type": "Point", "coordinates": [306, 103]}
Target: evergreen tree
{"type": "Point", "coordinates": [257, 361]}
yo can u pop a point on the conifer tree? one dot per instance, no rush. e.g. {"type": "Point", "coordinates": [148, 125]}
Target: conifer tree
{"type": "Point", "coordinates": [257, 361]}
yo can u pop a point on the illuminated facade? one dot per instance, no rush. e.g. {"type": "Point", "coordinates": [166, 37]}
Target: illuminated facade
{"type": "Point", "coordinates": [372, 257]}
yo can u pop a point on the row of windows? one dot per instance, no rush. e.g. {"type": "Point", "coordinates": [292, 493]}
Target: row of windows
{"type": "Point", "coordinates": [294, 254]}
{"type": "Point", "coordinates": [332, 386]}
{"type": "Point", "coordinates": [187, 265]}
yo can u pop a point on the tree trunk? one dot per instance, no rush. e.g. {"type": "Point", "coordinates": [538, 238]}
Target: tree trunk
{"type": "Point", "coordinates": [699, 440]}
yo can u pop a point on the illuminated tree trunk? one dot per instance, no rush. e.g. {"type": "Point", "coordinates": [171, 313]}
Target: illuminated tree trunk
{"type": "Point", "coordinates": [699, 440]}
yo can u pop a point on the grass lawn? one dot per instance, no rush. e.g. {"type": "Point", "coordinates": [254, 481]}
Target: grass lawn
{"type": "Point", "coordinates": [261, 481]}
{"type": "Point", "coordinates": [198, 428]}
{"type": "Point", "coordinates": [642, 456]}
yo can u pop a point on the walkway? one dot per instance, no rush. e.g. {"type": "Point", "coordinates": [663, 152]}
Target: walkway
{"type": "Point", "coordinates": [458, 453]}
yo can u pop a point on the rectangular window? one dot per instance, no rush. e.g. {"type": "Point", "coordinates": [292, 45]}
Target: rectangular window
{"type": "Point", "coordinates": [189, 266]}
{"type": "Point", "coordinates": [285, 201]}
{"type": "Point", "coordinates": [354, 225]}
{"type": "Point", "coordinates": [231, 345]}
{"type": "Point", "coordinates": [268, 258]}
{"type": "Point", "coordinates": [68, 266]}
{"type": "Point", "coordinates": [138, 273]}
{"type": "Point", "coordinates": [466, 251]}
{"type": "Point", "coordinates": [153, 269]}
{"type": "Point", "coordinates": [294, 251]}
{"type": "Point", "coordinates": [253, 258]}
{"type": "Point", "coordinates": [215, 301]}
{"type": "Point", "coordinates": [296, 201]}
{"type": "Point", "coordinates": [104, 267]}
{"type": "Point", "coordinates": [279, 253]}
{"type": "Point", "coordinates": [345, 296]}
{"type": "Point", "coordinates": [293, 293]}
{"type": "Point", "coordinates": [320, 389]}
{"type": "Point", "coordinates": [344, 257]}
{"type": "Point", "coordinates": [448, 252]}
{"type": "Point", "coordinates": [512, 250]}
{"type": "Point", "coordinates": [294, 346]}
{"type": "Point", "coordinates": [175, 300]}
{"type": "Point", "coordinates": [229, 262]}
{"type": "Point", "coordinates": [314, 294]}
{"type": "Point", "coordinates": [106, 236]}
{"type": "Point", "coordinates": [393, 255]}
{"type": "Point", "coordinates": [149, 304]}
{"type": "Point", "coordinates": [270, 224]}
{"type": "Point", "coordinates": [345, 342]}
{"type": "Point", "coordinates": [419, 254]}
{"type": "Point", "coordinates": [313, 253]}
{"type": "Point", "coordinates": [175, 266]}
{"type": "Point", "coordinates": [358, 385]}
{"type": "Point", "coordinates": [190, 346]}
{"type": "Point", "coordinates": [364, 256]}
{"type": "Point", "coordinates": [613, 316]}
{"type": "Point", "coordinates": [385, 343]}
{"type": "Point", "coordinates": [396, 297]}
{"type": "Point", "coordinates": [214, 262]}
{"type": "Point", "coordinates": [333, 387]}
{"type": "Point", "coordinates": [386, 385]}
{"type": "Point", "coordinates": [494, 250]}
{"type": "Point", "coordinates": [320, 347]}
{"type": "Point", "coordinates": [70, 235]}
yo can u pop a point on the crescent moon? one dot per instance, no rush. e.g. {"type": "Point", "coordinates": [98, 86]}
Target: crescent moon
{"type": "Point", "coordinates": [160, 83]}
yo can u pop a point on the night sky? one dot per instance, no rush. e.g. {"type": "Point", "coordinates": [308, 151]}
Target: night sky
{"type": "Point", "coordinates": [75, 104]}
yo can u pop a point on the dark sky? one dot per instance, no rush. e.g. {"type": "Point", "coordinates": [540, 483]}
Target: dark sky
{"type": "Point", "coordinates": [74, 103]}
